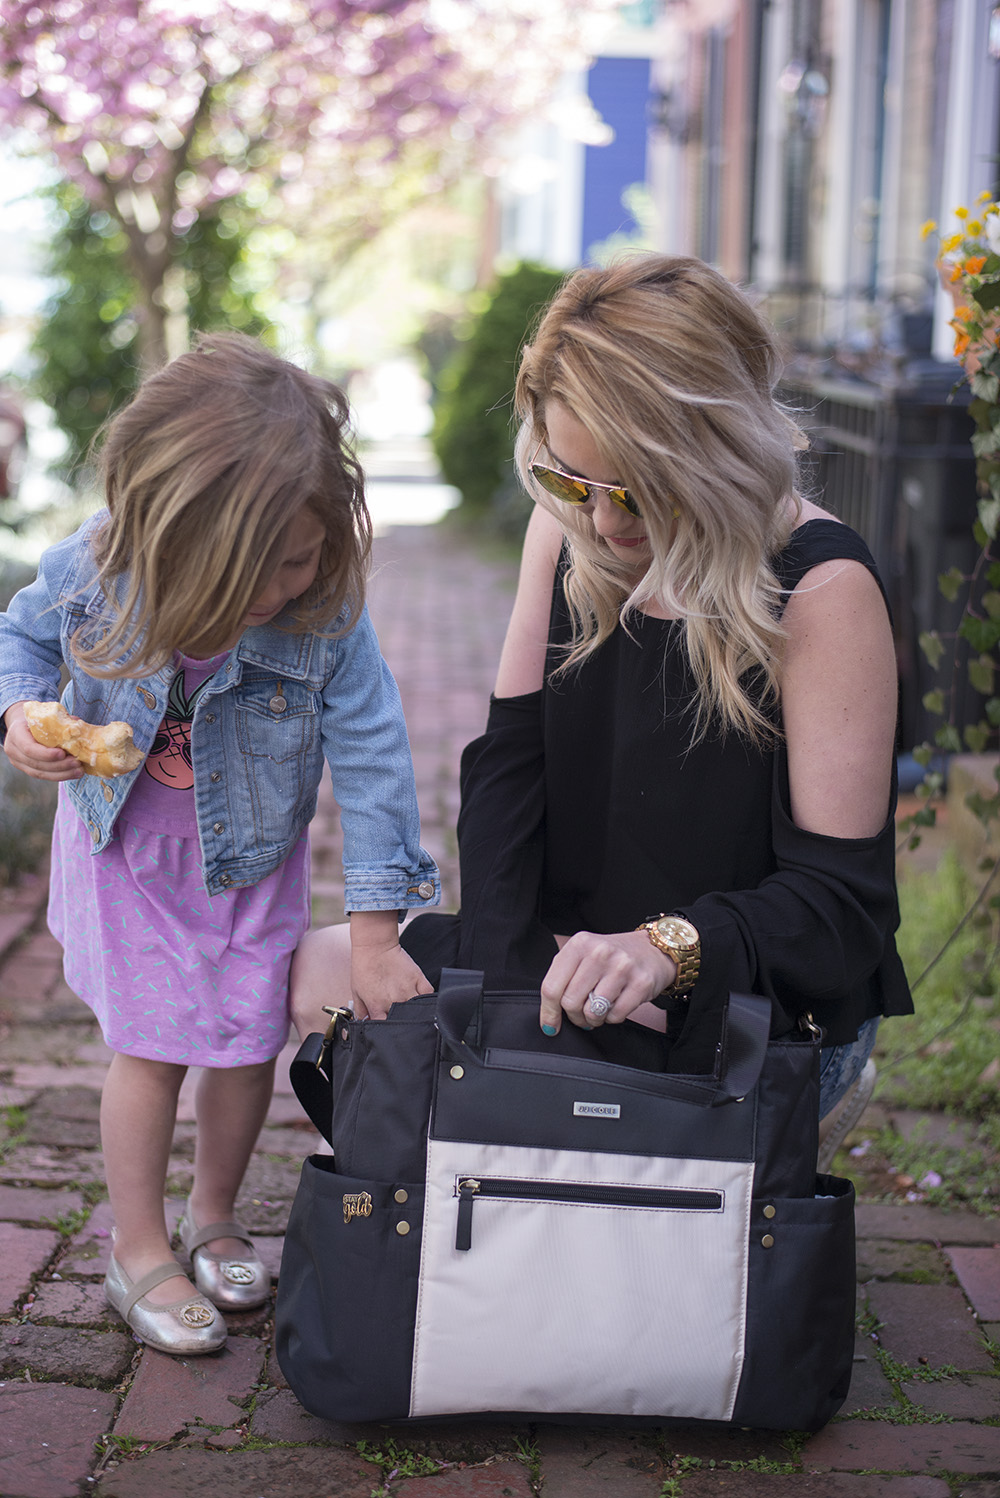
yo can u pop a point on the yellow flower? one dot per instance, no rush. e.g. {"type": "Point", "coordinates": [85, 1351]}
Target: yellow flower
{"type": "Point", "coordinates": [973, 227]}
{"type": "Point", "coordinates": [951, 243]}
{"type": "Point", "coordinates": [984, 196]}
{"type": "Point", "coordinates": [993, 208]}
{"type": "Point", "coordinates": [961, 213]}
{"type": "Point", "coordinates": [927, 229]}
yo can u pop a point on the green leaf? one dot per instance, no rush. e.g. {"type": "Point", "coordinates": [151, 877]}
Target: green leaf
{"type": "Point", "coordinates": [991, 603]}
{"type": "Point", "coordinates": [992, 265]}
{"type": "Point", "coordinates": [982, 539]}
{"type": "Point", "coordinates": [925, 817]}
{"type": "Point", "coordinates": [989, 514]}
{"type": "Point", "coordinates": [986, 808]}
{"type": "Point", "coordinates": [932, 645]}
{"type": "Point", "coordinates": [984, 444]}
{"type": "Point", "coordinates": [982, 634]}
{"type": "Point", "coordinates": [992, 711]}
{"type": "Point", "coordinates": [923, 754]}
{"type": "Point", "coordinates": [949, 582]}
{"type": "Point", "coordinates": [977, 736]}
{"type": "Point", "coordinates": [987, 296]}
{"type": "Point", "coordinates": [993, 575]}
{"type": "Point", "coordinates": [947, 739]}
{"type": "Point", "coordinates": [981, 674]}
{"type": "Point", "coordinates": [986, 386]}
{"type": "Point", "coordinates": [934, 702]}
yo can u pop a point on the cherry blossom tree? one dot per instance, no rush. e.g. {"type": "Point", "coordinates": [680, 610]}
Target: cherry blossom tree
{"type": "Point", "coordinates": [161, 110]}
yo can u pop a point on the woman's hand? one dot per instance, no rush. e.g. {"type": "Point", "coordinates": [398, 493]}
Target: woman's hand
{"type": "Point", "coordinates": [34, 758]}
{"type": "Point", "coordinates": [624, 968]}
{"type": "Point", "coordinates": [382, 974]}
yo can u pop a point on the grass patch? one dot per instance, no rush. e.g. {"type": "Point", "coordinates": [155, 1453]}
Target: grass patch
{"type": "Point", "coordinates": [937, 1057]}
{"type": "Point", "coordinates": [13, 1129]}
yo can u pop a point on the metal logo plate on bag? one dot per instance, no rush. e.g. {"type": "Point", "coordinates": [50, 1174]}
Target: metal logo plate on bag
{"type": "Point", "coordinates": [357, 1204]}
{"type": "Point", "coordinates": [597, 1110]}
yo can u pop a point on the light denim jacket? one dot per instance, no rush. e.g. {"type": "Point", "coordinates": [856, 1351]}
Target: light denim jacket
{"type": "Point", "coordinates": [261, 729]}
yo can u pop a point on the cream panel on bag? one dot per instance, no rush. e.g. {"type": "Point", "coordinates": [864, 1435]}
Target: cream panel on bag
{"type": "Point", "coordinates": [572, 1302]}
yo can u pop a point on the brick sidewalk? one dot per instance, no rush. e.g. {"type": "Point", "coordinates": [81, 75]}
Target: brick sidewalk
{"type": "Point", "coordinates": [83, 1409]}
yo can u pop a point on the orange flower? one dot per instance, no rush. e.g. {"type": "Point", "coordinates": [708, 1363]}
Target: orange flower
{"type": "Point", "coordinates": [956, 272]}
{"type": "Point", "coordinates": [974, 265]}
{"type": "Point", "coordinates": [961, 344]}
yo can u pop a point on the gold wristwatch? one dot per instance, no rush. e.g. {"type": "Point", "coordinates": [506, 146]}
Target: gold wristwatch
{"type": "Point", "coordinates": [676, 937]}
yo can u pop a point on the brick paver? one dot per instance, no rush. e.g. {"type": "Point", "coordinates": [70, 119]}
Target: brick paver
{"type": "Point", "coordinates": [228, 1425]}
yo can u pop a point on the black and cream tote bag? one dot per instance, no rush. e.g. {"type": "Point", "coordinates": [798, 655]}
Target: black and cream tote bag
{"type": "Point", "coordinates": [571, 1231]}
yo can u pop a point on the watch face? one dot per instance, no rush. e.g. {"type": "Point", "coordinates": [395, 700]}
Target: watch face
{"type": "Point", "coordinates": [678, 932]}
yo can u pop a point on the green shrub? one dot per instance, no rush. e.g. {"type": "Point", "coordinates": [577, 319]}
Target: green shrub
{"type": "Point", "coordinates": [473, 434]}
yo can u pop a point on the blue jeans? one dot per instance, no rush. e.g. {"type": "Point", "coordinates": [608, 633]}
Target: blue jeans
{"type": "Point", "coordinates": [841, 1065]}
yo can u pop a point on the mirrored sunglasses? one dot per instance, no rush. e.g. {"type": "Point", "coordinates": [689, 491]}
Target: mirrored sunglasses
{"type": "Point", "coordinates": [574, 490]}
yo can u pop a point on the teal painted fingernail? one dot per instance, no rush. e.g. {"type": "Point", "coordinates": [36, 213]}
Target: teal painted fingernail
{"type": "Point", "coordinates": [549, 1030]}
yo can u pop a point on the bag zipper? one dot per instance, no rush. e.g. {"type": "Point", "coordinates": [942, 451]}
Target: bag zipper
{"type": "Point", "coordinates": [468, 1188]}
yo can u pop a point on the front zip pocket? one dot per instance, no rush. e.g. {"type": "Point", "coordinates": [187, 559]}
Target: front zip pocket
{"type": "Point", "coordinates": [574, 1193]}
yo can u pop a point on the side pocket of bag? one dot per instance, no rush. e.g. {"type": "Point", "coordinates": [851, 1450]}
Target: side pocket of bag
{"type": "Point", "coordinates": [347, 1294]}
{"type": "Point", "coordinates": [800, 1309]}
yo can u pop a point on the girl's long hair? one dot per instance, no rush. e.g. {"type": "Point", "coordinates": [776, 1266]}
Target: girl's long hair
{"type": "Point", "coordinates": [672, 372]}
{"type": "Point", "coordinates": [202, 472]}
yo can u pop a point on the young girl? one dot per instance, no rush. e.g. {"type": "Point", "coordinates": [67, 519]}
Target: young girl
{"type": "Point", "coordinates": [216, 605]}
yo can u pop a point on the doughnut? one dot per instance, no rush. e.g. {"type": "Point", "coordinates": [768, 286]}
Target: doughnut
{"type": "Point", "coordinates": [104, 751]}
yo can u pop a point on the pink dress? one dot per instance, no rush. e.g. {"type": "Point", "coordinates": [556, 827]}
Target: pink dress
{"type": "Point", "coordinates": [171, 973]}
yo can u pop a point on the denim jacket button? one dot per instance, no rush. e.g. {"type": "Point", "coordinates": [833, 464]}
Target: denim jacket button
{"type": "Point", "coordinates": [215, 775]}
{"type": "Point", "coordinates": [226, 879]}
{"type": "Point", "coordinates": [425, 889]}
{"type": "Point", "coordinates": [109, 794]}
{"type": "Point", "coordinates": [278, 704]}
{"type": "Point", "coordinates": [209, 717]}
{"type": "Point", "coordinates": [218, 826]}
{"type": "Point", "coordinates": [146, 696]}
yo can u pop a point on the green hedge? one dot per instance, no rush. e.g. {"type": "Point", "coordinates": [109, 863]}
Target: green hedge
{"type": "Point", "coordinates": [473, 434]}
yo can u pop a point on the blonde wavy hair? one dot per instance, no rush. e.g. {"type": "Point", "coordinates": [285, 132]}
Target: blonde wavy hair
{"type": "Point", "coordinates": [672, 372]}
{"type": "Point", "coordinates": [202, 472]}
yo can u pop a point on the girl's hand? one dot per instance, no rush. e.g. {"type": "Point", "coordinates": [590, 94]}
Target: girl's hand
{"type": "Point", "coordinates": [382, 974]}
{"type": "Point", "coordinates": [625, 968]}
{"type": "Point", "coordinates": [34, 758]}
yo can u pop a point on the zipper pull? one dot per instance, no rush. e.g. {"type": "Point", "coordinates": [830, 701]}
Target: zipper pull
{"type": "Point", "coordinates": [467, 1190]}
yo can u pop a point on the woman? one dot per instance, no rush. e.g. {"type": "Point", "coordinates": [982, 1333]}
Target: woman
{"type": "Point", "coordinates": [686, 785]}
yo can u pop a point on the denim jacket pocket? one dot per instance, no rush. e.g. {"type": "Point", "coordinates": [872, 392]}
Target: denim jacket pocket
{"type": "Point", "coordinates": [276, 719]}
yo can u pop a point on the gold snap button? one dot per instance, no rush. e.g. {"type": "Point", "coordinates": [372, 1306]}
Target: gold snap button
{"type": "Point", "coordinates": [109, 794]}
{"type": "Point", "coordinates": [278, 703]}
{"type": "Point", "coordinates": [425, 890]}
{"type": "Point", "coordinates": [769, 1212]}
{"type": "Point", "coordinates": [402, 1228]}
{"type": "Point", "coordinates": [767, 1241]}
{"type": "Point", "coordinates": [458, 1072]}
{"type": "Point", "coordinates": [401, 1196]}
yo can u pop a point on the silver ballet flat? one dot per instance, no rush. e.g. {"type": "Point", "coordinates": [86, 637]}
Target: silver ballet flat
{"type": "Point", "coordinates": [187, 1328]}
{"type": "Point", "coordinates": [231, 1284]}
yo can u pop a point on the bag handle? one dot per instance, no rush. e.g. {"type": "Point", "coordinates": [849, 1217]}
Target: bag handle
{"type": "Point", "coordinates": [740, 1057]}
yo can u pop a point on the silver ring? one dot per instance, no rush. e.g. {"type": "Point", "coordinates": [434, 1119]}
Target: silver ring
{"type": "Point", "coordinates": [598, 1005]}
